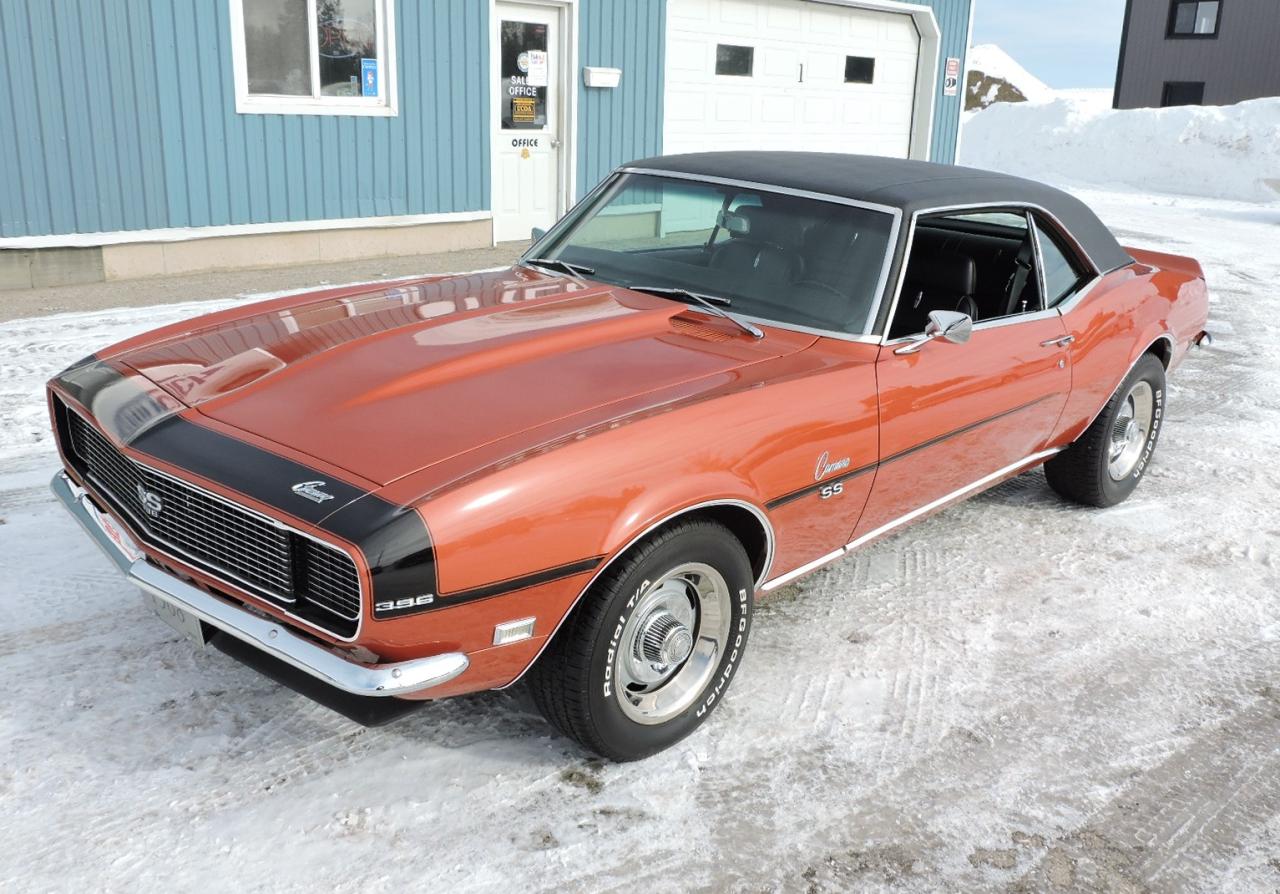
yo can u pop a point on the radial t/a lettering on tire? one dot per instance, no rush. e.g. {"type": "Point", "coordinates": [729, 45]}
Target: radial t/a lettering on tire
{"type": "Point", "coordinates": [653, 647]}
{"type": "Point", "coordinates": [1104, 465]}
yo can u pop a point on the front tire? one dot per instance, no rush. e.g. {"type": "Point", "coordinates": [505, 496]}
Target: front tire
{"type": "Point", "coordinates": [650, 652]}
{"type": "Point", "coordinates": [1106, 463]}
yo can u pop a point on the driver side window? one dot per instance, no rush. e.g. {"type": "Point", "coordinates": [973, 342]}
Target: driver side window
{"type": "Point", "coordinates": [982, 264]}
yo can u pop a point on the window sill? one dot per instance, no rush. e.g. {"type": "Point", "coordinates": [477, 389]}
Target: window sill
{"type": "Point", "coordinates": [303, 106]}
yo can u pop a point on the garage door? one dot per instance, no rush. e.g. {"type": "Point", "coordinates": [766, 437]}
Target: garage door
{"type": "Point", "coordinates": [789, 74]}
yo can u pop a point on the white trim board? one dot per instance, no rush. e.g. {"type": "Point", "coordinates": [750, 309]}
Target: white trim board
{"type": "Point", "coordinates": [185, 234]}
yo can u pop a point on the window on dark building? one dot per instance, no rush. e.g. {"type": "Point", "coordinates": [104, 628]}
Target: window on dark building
{"type": "Point", "coordinates": [1194, 18]}
{"type": "Point", "coordinates": [1183, 93]}
{"type": "Point", "coordinates": [735, 61]}
{"type": "Point", "coordinates": [859, 70]}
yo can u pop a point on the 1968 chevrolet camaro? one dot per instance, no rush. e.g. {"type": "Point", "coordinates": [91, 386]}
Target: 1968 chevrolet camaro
{"type": "Point", "coordinates": [716, 374]}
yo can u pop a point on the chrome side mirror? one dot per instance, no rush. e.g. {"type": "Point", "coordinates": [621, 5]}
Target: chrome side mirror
{"type": "Point", "coordinates": [948, 325]}
{"type": "Point", "coordinates": [538, 233]}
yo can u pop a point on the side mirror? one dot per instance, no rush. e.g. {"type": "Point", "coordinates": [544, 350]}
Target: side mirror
{"type": "Point", "coordinates": [948, 325]}
{"type": "Point", "coordinates": [538, 233]}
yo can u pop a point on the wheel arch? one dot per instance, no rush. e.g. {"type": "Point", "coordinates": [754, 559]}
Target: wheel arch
{"type": "Point", "coordinates": [746, 521]}
{"type": "Point", "coordinates": [1162, 347]}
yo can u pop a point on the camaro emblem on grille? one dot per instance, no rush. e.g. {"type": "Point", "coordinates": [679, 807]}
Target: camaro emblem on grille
{"type": "Point", "coordinates": [152, 505]}
{"type": "Point", "coordinates": [311, 490]}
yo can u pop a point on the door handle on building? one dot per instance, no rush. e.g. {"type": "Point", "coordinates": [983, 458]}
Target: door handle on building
{"type": "Point", "coordinates": [1058, 342]}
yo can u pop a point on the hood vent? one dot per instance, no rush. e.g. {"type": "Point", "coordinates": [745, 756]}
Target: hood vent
{"type": "Point", "coordinates": [698, 329]}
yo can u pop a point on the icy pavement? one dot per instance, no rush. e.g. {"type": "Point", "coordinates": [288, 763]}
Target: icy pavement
{"type": "Point", "coordinates": [1017, 694]}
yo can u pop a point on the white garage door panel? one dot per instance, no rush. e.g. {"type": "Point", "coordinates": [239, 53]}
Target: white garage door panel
{"type": "Point", "coordinates": [778, 108]}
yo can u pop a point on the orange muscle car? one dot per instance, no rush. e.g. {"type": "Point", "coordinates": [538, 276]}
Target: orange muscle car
{"type": "Point", "coordinates": [717, 373]}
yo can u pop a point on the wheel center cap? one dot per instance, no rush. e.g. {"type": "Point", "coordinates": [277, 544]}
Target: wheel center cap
{"type": "Point", "coordinates": [664, 640]}
{"type": "Point", "coordinates": [1132, 431]}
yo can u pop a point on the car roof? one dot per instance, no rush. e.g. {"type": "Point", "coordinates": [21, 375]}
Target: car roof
{"type": "Point", "coordinates": [911, 186]}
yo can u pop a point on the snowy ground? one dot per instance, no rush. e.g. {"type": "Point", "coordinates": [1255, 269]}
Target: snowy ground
{"type": "Point", "coordinates": [1017, 694]}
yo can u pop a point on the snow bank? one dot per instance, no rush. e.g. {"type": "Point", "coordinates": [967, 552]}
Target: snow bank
{"type": "Point", "coordinates": [997, 65]}
{"type": "Point", "coordinates": [1227, 152]}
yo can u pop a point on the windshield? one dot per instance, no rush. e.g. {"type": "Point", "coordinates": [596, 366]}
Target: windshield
{"type": "Point", "coordinates": [775, 257]}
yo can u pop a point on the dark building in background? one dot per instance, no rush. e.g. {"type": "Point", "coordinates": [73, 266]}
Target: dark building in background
{"type": "Point", "coordinates": [1198, 52]}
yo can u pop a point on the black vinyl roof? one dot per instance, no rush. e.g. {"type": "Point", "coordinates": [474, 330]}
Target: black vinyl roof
{"type": "Point", "coordinates": [911, 186]}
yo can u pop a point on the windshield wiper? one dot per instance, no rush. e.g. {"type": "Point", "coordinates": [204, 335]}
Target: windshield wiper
{"type": "Point", "coordinates": [575, 270]}
{"type": "Point", "coordinates": [709, 302]}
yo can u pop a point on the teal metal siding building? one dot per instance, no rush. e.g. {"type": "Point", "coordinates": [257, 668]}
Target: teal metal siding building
{"type": "Point", "coordinates": [305, 129]}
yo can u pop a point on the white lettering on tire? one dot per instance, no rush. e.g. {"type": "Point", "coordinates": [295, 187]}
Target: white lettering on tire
{"type": "Point", "coordinates": [726, 672]}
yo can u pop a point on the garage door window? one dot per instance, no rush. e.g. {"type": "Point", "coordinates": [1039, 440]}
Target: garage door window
{"type": "Point", "coordinates": [318, 57]}
{"type": "Point", "coordinates": [859, 70]}
{"type": "Point", "coordinates": [735, 61]}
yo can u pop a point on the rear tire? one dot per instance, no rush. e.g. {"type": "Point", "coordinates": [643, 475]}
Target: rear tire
{"type": "Point", "coordinates": [652, 648]}
{"type": "Point", "coordinates": [1106, 463]}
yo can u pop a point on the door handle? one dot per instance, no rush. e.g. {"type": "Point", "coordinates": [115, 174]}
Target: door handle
{"type": "Point", "coordinates": [1058, 342]}
{"type": "Point", "coordinates": [555, 144]}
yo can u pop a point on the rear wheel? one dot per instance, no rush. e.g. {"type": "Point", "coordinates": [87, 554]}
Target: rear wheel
{"type": "Point", "coordinates": [1105, 464]}
{"type": "Point", "coordinates": [652, 649]}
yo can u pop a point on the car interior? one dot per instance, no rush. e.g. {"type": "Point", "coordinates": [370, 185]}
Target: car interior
{"type": "Point", "coordinates": [982, 265]}
{"type": "Point", "coordinates": [799, 260]}
{"type": "Point", "coordinates": [780, 257]}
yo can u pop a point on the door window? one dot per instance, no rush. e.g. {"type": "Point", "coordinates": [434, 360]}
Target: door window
{"type": "Point", "coordinates": [524, 71]}
{"type": "Point", "coordinates": [980, 263]}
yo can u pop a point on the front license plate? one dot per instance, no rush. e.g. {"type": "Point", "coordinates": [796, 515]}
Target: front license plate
{"type": "Point", "coordinates": [114, 531]}
{"type": "Point", "coordinates": [182, 621]}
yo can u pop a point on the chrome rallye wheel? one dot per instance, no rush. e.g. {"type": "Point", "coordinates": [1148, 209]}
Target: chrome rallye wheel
{"type": "Point", "coordinates": [1129, 431]}
{"type": "Point", "coordinates": [651, 650]}
{"type": "Point", "coordinates": [1106, 463]}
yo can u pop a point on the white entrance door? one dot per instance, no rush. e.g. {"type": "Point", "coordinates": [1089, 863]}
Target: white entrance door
{"type": "Point", "coordinates": [529, 111]}
{"type": "Point", "coordinates": [789, 74]}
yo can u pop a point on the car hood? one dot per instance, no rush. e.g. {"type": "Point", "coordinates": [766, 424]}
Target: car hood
{"type": "Point", "coordinates": [384, 382]}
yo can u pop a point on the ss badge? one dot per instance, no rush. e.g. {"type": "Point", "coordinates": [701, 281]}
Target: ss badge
{"type": "Point", "coordinates": [831, 490]}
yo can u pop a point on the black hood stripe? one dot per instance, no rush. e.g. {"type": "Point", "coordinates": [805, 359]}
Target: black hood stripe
{"type": "Point", "coordinates": [393, 539]}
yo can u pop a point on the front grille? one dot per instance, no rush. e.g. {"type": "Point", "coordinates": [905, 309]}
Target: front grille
{"type": "Point", "coordinates": [312, 580]}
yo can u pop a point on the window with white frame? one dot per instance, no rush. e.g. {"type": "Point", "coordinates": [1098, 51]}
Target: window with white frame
{"type": "Point", "coordinates": [325, 57]}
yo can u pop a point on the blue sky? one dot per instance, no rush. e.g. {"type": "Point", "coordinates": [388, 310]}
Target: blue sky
{"type": "Point", "coordinates": [1072, 44]}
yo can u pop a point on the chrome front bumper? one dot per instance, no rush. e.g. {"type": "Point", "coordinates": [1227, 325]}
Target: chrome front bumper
{"type": "Point", "coordinates": [264, 634]}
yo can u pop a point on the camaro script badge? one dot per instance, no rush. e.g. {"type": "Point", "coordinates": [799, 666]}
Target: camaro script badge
{"type": "Point", "coordinates": [827, 467]}
{"type": "Point", "coordinates": [311, 490]}
{"type": "Point", "coordinates": [151, 503]}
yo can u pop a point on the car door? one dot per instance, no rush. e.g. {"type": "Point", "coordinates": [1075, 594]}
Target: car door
{"type": "Point", "coordinates": [954, 416]}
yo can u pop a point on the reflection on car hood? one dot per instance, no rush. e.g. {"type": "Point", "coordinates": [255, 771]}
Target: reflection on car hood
{"type": "Point", "coordinates": [384, 382]}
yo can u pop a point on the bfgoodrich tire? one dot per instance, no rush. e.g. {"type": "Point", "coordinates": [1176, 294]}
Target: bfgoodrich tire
{"type": "Point", "coordinates": [650, 652]}
{"type": "Point", "coordinates": [1106, 463]}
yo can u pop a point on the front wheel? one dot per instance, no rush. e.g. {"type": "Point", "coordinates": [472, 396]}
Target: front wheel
{"type": "Point", "coordinates": [651, 651]}
{"type": "Point", "coordinates": [1105, 464]}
